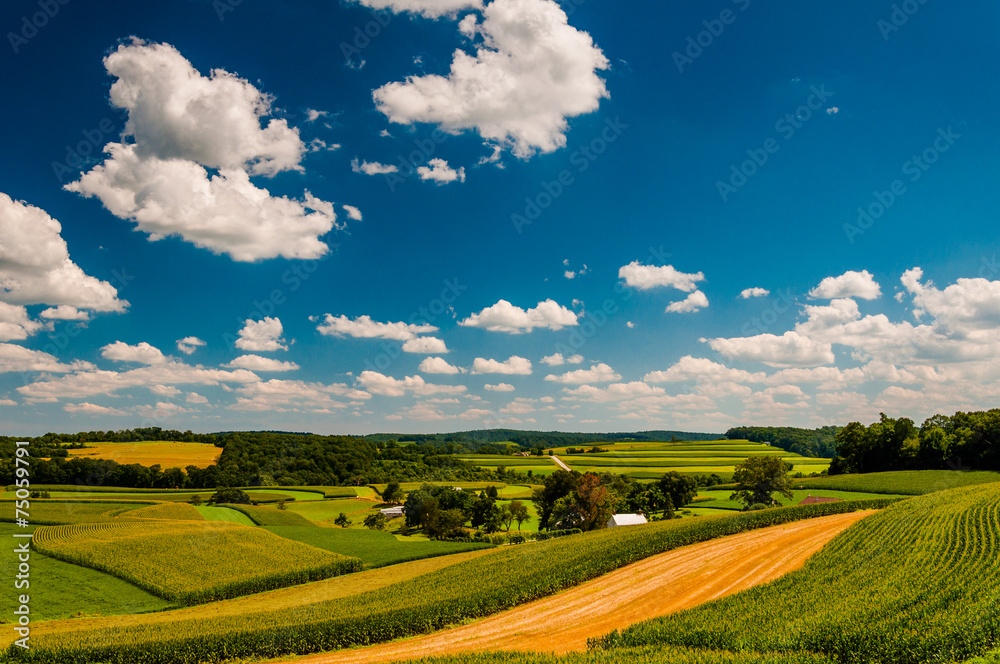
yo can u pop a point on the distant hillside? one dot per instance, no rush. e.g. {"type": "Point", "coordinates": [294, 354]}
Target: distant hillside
{"type": "Point", "coordinates": [486, 439]}
{"type": "Point", "coordinates": [807, 442]}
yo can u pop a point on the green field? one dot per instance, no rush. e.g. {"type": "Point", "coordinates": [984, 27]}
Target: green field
{"type": "Point", "coordinates": [327, 510]}
{"type": "Point", "coordinates": [271, 516]}
{"type": "Point", "coordinates": [191, 562]}
{"type": "Point", "coordinates": [481, 586]}
{"type": "Point", "coordinates": [224, 514]}
{"type": "Point", "coordinates": [63, 590]}
{"type": "Point", "coordinates": [54, 512]}
{"type": "Point", "coordinates": [373, 547]}
{"type": "Point", "coordinates": [720, 498]}
{"type": "Point", "coordinates": [908, 482]}
{"type": "Point", "coordinates": [917, 582]}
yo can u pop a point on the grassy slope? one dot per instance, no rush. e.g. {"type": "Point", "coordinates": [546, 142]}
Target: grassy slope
{"type": "Point", "coordinates": [63, 590]}
{"type": "Point", "coordinates": [216, 513]}
{"type": "Point", "coordinates": [375, 548]}
{"type": "Point", "coordinates": [721, 497]}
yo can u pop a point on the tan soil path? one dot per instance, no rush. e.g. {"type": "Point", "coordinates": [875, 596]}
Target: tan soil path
{"type": "Point", "coordinates": [662, 584]}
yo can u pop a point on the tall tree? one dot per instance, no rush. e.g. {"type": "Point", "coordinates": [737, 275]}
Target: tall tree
{"type": "Point", "coordinates": [759, 478]}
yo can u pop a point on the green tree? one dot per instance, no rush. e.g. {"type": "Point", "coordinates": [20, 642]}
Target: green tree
{"type": "Point", "coordinates": [392, 494]}
{"type": "Point", "coordinates": [444, 524]}
{"type": "Point", "coordinates": [519, 511]}
{"type": "Point", "coordinates": [343, 521]}
{"type": "Point", "coordinates": [681, 489]}
{"type": "Point", "coordinates": [375, 521]}
{"type": "Point", "coordinates": [281, 504]}
{"type": "Point", "coordinates": [759, 478]}
{"type": "Point", "coordinates": [506, 516]}
{"type": "Point", "coordinates": [231, 496]}
{"type": "Point", "coordinates": [196, 500]}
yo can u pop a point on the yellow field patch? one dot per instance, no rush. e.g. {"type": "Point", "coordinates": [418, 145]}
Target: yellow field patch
{"type": "Point", "coordinates": [168, 454]}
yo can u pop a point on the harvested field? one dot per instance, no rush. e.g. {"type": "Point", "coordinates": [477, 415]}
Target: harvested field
{"type": "Point", "coordinates": [654, 587]}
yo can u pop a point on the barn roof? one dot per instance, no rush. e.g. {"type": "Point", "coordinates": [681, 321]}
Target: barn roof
{"type": "Point", "coordinates": [627, 520]}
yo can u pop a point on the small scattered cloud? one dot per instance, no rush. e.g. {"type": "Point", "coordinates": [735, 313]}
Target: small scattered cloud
{"type": "Point", "coordinates": [860, 285]}
{"type": "Point", "coordinates": [188, 345]}
{"type": "Point", "coordinates": [499, 387]}
{"type": "Point", "coordinates": [749, 293]}
{"type": "Point", "coordinates": [439, 171]}
{"type": "Point", "coordinates": [141, 353]}
{"type": "Point", "coordinates": [505, 317]}
{"type": "Point", "coordinates": [261, 364]}
{"type": "Point", "coordinates": [694, 302]}
{"type": "Point", "coordinates": [363, 327]}
{"type": "Point", "coordinates": [599, 373]}
{"type": "Point", "coordinates": [373, 167]}
{"type": "Point", "coordinates": [438, 365]}
{"type": "Point", "coordinates": [513, 366]}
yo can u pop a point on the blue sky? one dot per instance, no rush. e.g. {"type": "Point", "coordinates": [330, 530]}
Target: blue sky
{"type": "Point", "coordinates": [433, 215]}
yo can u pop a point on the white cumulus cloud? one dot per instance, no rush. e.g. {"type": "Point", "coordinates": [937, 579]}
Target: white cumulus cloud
{"type": "Point", "coordinates": [372, 168]}
{"type": "Point", "coordinates": [261, 335]}
{"type": "Point", "coordinates": [182, 123]}
{"type": "Point", "coordinates": [748, 293]}
{"type": "Point", "coordinates": [438, 365]}
{"type": "Point", "coordinates": [425, 345]}
{"type": "Point", "coordinates": [188, 345]}
{"type": "Point", "coordinates": [499, 387]}
{"type": "Point", "coordinates": [788, 350]}
{"type": "Point", "coordinates": [599, 373]}
{"type": "Point", "coordinates": [694, 302]}
{"type": "Point", "coordinates": [363, 327]}
{"type": "Point", "coordinates": [260, 363]}
{"type": "Point", "coordinates": [428, 8]}
{"type": "Point", "coordinates": [439, 171]}
{"type": "Point", "coordinates": [529, 74]}
{"type": "Point", "coordinates": [141, 353]}
{"type": "Point", "coordinates": [646, 277]}
{"type": "Point", "coordinates": [513, 366]}
{"type": "Point", "coordinates": [505, 317]}
{"type": "Point", "coordinates": [850, 284]}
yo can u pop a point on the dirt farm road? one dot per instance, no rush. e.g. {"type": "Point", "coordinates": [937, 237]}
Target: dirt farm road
{"type": "Point", "coordinates": [659, 585]}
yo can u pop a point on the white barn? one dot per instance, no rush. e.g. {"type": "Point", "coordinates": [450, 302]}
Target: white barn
{"type": "Point", "coordinates": [392, 512]}
{"type": "Point", "coordinates": [626, 520]}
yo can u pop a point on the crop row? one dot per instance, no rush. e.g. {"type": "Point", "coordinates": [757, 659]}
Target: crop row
{"type": "Point", "coordinates": [918, 582]}
{"type": "Point", "coordinates": [189, 561]}
{"type": "Point", "coordinates": [44, 512]}
{"type": "Point", "coordinates": [176, 511]}
{"type": "Point", "coordinates": [906, 482]}
{"type": "Point", "coordinates": [482, 586]}
{"type": "Point", "coordinates": [650, 655]}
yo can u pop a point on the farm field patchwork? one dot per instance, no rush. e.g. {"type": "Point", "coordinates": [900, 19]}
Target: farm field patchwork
{"type": "Point", "coordinates": [356, 509]}
{"type": "Point", "coordinates": [54, 512]}
{"type": "Point", "coordinates": [169, 454]}
{"type": "Point", "coordinates": [191, 562]}
{"type": "Point", "coordinates": [481, 586]}
{"type": "Point", "coordinates": [177, 511]}
{"type": "Point", "coordinates": [271, 516]}
{"type": "Point", "coordinates": [373, 547]}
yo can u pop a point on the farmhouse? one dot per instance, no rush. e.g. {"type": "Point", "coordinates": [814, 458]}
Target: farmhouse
{"type": "Point", "coordinates": [626, 520]}
{"type": "Point", "coordinates": [392, 512]}
{"type": "Point", "coordinates": [812, 500]}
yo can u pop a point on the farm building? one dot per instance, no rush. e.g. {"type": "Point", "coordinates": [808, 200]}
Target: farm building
{"type": "Point", "coordinates": [626, 520]}
{"type": "Point", "coordinates": [812, 500]}
{"type": "Point", "coordinates": [392, 512]}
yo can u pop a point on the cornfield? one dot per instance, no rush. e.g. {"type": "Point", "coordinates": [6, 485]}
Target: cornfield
{"type": "Point", "coordinates": [191, 562]}
{"type": "Point", "coordinates": [175, 511]}
{"type": "Point", "coordinates": [919, 582]}
{"type": "Point", "coordinates": [903, 482]}
{"type": "Point", "coordinates": [478, 587]}
{"type": "Point", "coordinates": [45, 512]}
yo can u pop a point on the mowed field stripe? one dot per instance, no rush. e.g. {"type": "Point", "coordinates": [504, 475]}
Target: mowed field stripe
{"type": "Point", "coordinates": [654, 587]}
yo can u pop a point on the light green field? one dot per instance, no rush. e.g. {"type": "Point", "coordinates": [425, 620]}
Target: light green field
{"type": "Point", "coordinates": [327, 510]}
{"type": "Point", "coordinates": [910, 482]}
{"type": "Point", "coordinates": [495, 460]}
{"type": "Point", "coordinates": [215, 513]}
{"type": "Point", "coordinates": [529, 526]}
{"type": "Point", "coordinates": [468, 486]}
{"type": "Point", "coordinates": [652, 460]}
{"type": "Point", "coordinates": [518, 491]}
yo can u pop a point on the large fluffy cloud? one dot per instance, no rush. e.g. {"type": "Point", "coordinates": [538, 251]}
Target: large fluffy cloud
{"type": "Point", "coordinates": [788, 350]}
{"type": "Point", "coordinates": [141, 353]}
{"type": "Point", "coordinates": [530, 73]}
{"type": "Point", "coordinates": [35, 268]}
{"type": "Point", "coordinates": [702, 370]}
{"type": "Point", "coordinates": [850, 284]}
{"type": "Point", "coordinates": [694, 302]}
{"type": "Point", "coordinates": [15, 323]}
{"type": "Point", "coordinates": [17, 359]}
{"type": "Point", "coordinates": [505, 317]}
{"type": "Point", "coordinates": [182, 123]}
{"type": "Point", "coordinates": [438, 365]}
{"type": "Point", "coordinates": [261, 335]}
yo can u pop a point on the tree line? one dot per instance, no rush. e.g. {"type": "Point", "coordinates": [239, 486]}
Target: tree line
{"type": "Point", "coordinates": [817, 443]}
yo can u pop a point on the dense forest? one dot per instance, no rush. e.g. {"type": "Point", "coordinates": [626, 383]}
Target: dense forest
{"type": "Point", "coordinates": [820, 443]}
{"type": "Point", "coordinates": [964, 441]}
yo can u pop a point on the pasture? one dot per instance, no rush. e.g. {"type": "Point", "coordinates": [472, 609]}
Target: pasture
{"type": "Point", "coordinates": [189, 561]}
{"type": "Point", "coordinates": [720, 498]}
{"type": "Point", "coordinates": [219, 513]}
{"type": "Point", "coordinates": [169, 454]}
